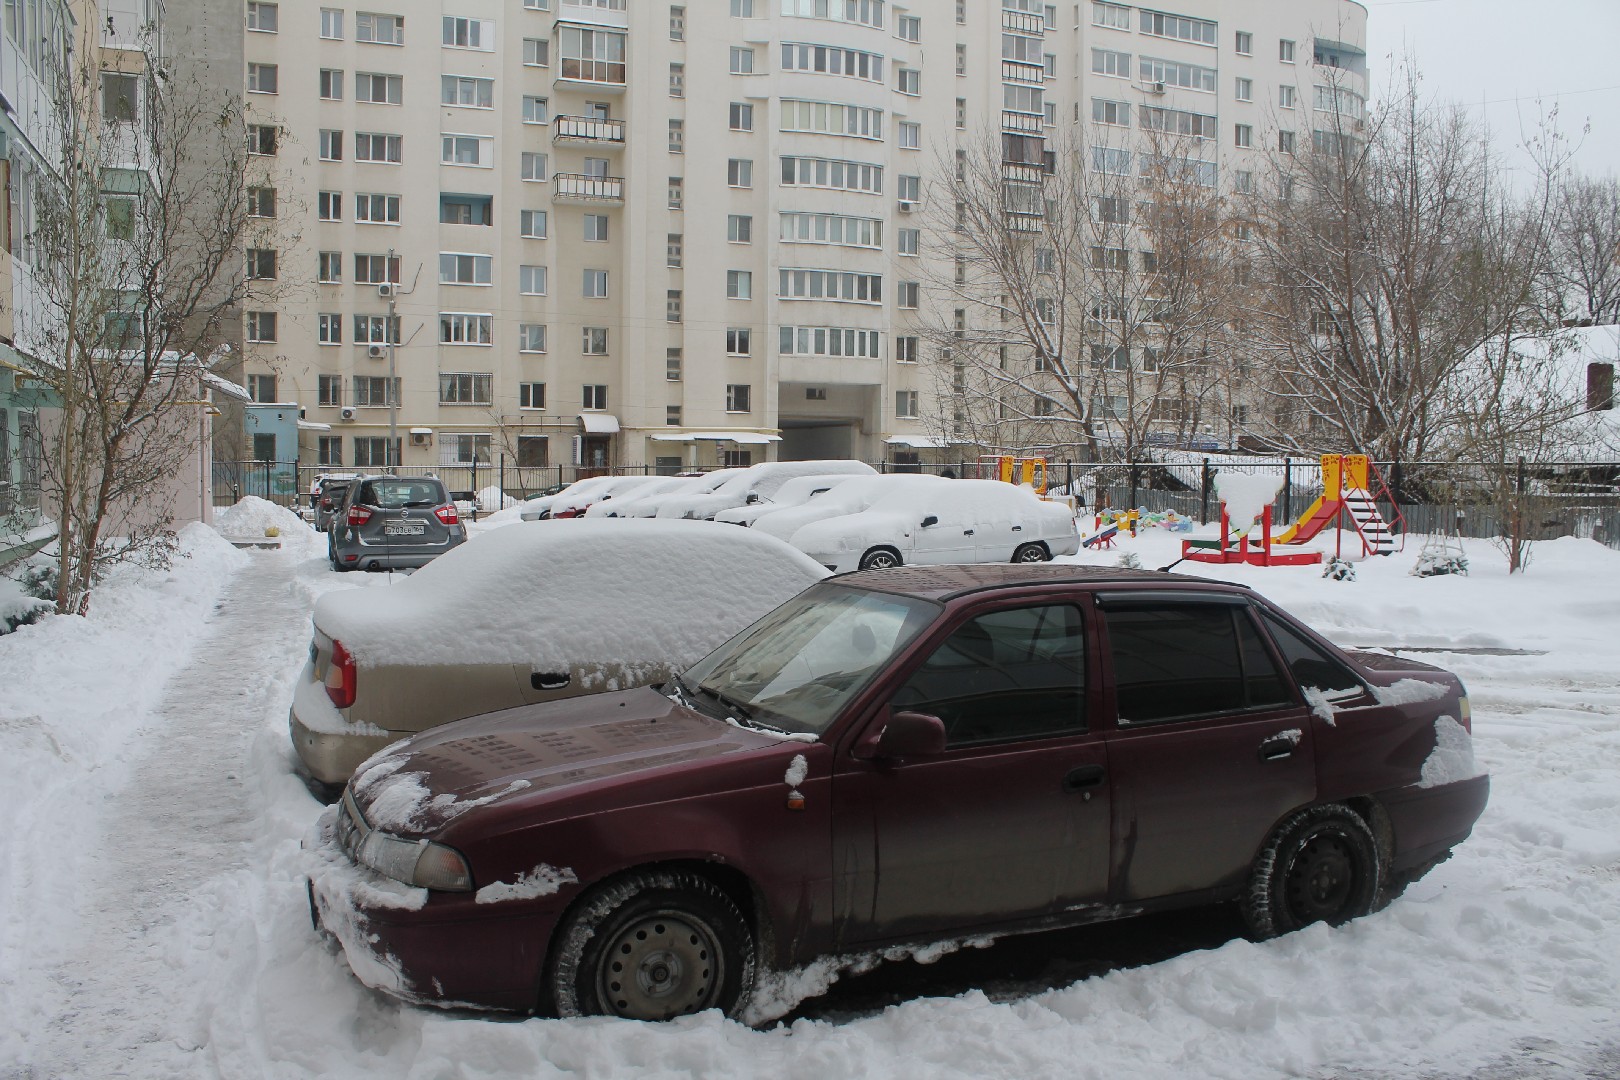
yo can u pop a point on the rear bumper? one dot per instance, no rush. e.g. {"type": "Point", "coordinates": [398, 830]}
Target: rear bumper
{"type": "Point", "coordinates": [362, 555]}
{"type": "Point", "coordinates": [329, 753]}
{"type": "Point", "coordinates": [1428, 822]}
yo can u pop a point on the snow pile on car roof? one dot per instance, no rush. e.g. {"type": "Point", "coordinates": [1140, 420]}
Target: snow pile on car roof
{"type": "Point", "coordinates": [580, 594]}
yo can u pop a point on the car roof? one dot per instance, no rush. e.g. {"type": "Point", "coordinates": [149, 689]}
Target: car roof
{"type": "Point", "coordinates": [949, 582]}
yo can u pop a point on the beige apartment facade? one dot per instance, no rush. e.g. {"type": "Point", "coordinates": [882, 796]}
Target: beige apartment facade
{"type": "Point", "coordinates": [622, 233]}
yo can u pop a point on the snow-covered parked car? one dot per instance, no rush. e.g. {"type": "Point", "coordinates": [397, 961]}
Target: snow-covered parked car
{"type": "Point", "coordinates": [855, 495]}
{"type": "Point", "coordinates": [795, 492]}
{"type": "Point", "coordinates": [660, 487]}
{"type": "Point", "coordinates": [698, 485]}
{"type": "Point", "coordinates": [573, 500]}
{"type": "Point", "coordinates": [521, 615]}
{"type": "Point", "coordinates": [893, 759]}
{"type": "Point", "coordinates": [754, 483]}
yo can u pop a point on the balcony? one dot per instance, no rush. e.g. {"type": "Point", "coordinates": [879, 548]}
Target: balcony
{"type": "Point", "coordinates": [1023, 123]}
{"type": "Point", "coordinates": [587, 129]}
{"type": "Point", "coordinates": [582, 187]}
{"type": "Point", "coordinates": [1016, 71]}
{"type": "Point", "coordinates": [1023, 22]}
{"type": "Point", "coordinates": [605, 75]}
{"type": "Point", "coordinates": [1022, 172]}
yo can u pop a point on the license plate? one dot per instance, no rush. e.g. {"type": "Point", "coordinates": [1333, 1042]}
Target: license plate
{"type": "Point", "coordinates": [406, 529]}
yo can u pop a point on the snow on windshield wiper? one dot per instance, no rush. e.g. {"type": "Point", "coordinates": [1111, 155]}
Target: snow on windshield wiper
{"type": "Point", "coordinates": [681, 693]}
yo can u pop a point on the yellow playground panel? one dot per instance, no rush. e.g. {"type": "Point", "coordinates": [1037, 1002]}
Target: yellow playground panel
{"type": "Point", "coordinates": [1013, 470]}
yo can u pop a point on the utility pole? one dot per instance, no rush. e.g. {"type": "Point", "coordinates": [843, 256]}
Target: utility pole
{"type": "Point", "coordinates": [391, 336]}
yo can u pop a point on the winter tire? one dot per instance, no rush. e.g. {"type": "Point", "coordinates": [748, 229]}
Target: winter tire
{"type": "Point", "coordinates": [652, 946]}
{"type": "Point", "coordinates": [1030, 553]}
{"type": "Point", "coordinates": [1319, 865]}
{"type": "Point", "coordinates": [880, 559]}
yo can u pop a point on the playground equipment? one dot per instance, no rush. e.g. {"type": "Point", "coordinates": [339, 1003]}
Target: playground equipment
{"type": "Point", "coordinates": [1031, 472]}
{"type": "Point", "coordinates": [1236, 547]}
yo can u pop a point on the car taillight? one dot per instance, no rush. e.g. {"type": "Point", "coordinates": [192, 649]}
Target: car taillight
{"type": "Point", "coordinates": [359, 515]}
{"type": "Point", "coordinates": [1465, 714]}
{"type": "Point", "coordinates": [340, 677]}
{"type": "Point", "coordinates": [447, 514]}
{"type": "Point", "coordinates": [326, 504]}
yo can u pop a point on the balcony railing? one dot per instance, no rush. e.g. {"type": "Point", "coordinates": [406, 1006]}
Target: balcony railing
{"type": "Point", "coordinates": [588, 129]}
{"type": "Point", "coordinates": [1024, 22]}
{"type": "Point", "coordinates": [1022, 172]}
{"type": "Point", "coordinates": [1023, 123]}
{"type": "Point", "coordinates": [587, 188]}
{"type": "Point", "coordinates": [1020, 72]}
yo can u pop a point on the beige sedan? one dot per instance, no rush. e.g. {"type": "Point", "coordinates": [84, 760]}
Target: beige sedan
{"type": "Point", "coordinates": [522, 615]}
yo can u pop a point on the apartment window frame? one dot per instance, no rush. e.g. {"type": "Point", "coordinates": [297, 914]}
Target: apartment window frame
{"type": "Point", "coordinates": [534, 224]}
{"type": "Point", "coordinates": [393, 88]}
{"type": "Point", "coordinates": [740, 116]}
{"type": "Point", "coordinates": [379, 148]}
{"type": "Point", "coordinates": [742, 60]}
{"type": "Point", "coordinates": [466, 91]}
{"type": "Point", "coordinates": [466, 268]}
{"type": "Point", "coordinates": [532, 396]}
{"type": "Point", "coordinates": [467, 328]}
{"type": "Point", "coordinates": [593, 341]}
{"type": "Point", "coordinates": [740, 172]}
{"type": "Point", "coordinates": [379, 28]}
{"type": "Point", "coordinates": [739, 284]}
{"type": "Point", "coordinates": [376, 208]}
{"type": "Point", "coordinates": [466, 388]}
{"type": "Point", "coordinates": [331, 24]}
{"type": "Point", "coordinates": [594, 284]}
{"type": "Point", "coordinates": [262, 78]}
{"type": "Point", "coordinates": [739, 397]}
{"type": "Point", "coordinates": [532, 338]}
{"type": "Point", "coordinates": [534, 279]}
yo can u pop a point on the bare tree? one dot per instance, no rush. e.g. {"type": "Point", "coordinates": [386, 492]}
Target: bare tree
{"type": "Point", "coordinates": [137, 258]}
{"type": "Point", "coordinates": [1587, 247]}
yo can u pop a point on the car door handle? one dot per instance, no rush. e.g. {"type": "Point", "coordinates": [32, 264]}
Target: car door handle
{"type": "Point", "coordinates": [549, 680]}
{"type": "Point", "coordinates": [1018, 528]}
{"type": "Point", "coordinates": [1278, 747]}
{"type": "Point", "coordinates": [967, 532]}
{"type": "Point", "coordinates": [1086, 776]}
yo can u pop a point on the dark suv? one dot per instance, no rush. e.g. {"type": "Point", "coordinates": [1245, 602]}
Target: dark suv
{"type": "Point", "coordinates": [392, 522]}
{"type": "Point", "coordinates": [891, 758]}
{"type": "Point", "coordinates": [326, 498]}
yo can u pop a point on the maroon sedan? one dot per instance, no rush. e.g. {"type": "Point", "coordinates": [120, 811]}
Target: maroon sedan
{"type": "Point", "coordinates": [891, 758]}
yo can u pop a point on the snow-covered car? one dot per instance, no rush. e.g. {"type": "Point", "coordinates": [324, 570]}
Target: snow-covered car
{"type": "Point", "coordinates": [625, 505]}
{"type": "Point", "coordinates": [795, 492]}
{"type": "Point", "coordinates": [700, 485]}
{"type": "Point", "coordinates": [574, 500]}
{"type": "Point", "coordinates": [854, 495]}
{"type": "Point", "coordinates": [889, 760]}
{"type": "Point", "coordinates": [753, 483]}
{"type": "Point", "coordinates": [522, 615]}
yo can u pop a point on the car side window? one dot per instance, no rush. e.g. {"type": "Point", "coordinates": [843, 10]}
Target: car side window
{"type": "Point", "coordinates": [1013, 674]}
{"type": "Point", "coordinates": [1178, 661]}
{"type": "Point", "coordinates": [1312, 667]}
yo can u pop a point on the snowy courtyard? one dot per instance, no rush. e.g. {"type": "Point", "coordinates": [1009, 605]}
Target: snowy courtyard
{"type": "Point", "coordinates": [156, 923]}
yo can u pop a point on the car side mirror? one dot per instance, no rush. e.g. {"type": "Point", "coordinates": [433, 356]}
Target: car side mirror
{"type": "Point", "coordinates": [753, 497]}
{"type": "Point", "coordinates": [931, 519]}
{"type": "Point", "coordinates": [904, 735]}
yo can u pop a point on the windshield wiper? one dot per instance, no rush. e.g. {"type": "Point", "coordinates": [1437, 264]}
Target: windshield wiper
{"type": "Point", "coordinates": [682, 693]}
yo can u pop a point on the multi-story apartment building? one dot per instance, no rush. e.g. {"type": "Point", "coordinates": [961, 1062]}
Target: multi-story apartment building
{"type": "Point", "coordinates": [618, 231]}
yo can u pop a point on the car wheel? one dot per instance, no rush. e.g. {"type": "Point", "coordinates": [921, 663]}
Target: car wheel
{"type": "Point", "coordinates": [1320, 865]}
{"type": "Point", "coordinates": [1028, 553]}
{"type": "Point", "coordinates": [880, 559]}
{"type": "Point", "coordinates": [652, 946]}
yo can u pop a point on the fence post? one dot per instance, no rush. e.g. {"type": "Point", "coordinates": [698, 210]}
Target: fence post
{"type": "Point", "coordinates": [474, 482]}
{"type": "Point", "coordinates": [1203, 498]}
{"type": "Point", "coordinates": [1130, 504]}
{"type": "Point", "coordinates": [502, 481]}
{"type": "Point", "coordinates": [1288, 486]}
{"type": "Point", "coordinates": [1068, 469]}
{"type": "Point", "coordinates": [1519, 480]}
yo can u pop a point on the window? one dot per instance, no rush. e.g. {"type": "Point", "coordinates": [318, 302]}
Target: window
{"type": "Point", "coordinates": [329, 331]}
{"type": "Point", "coordinates": [739, 229]}
{"type": "Point", "coordinates": [593, 55]}
{"type": "Point", "coordinates": [536, 110]}
{"type": "Point", "coordinates": [532, 280]}
{"type": "Point", "coordinates": [532, 224]}
{"type": "Point", "coordinates": [261, 203]}
{"type": "Point", "coordinates": [329, 267]}
{"type": "Point", "coordinates": [378, 147]}
{"type": "Point", "coordinates": [739, 284]}
{"type": "Point", "coordinates": [742, 116]}
{"type": "Point", "coordinates": [907, 293]}
{"type": "Point", "coordinates": [379, 29]}
{"type": "Point", "coordinates": [672, 417]}
{"type": "Point", "coordinates": [596, 227]}
{"type": "Point", "coordinates": [672, 306]}
{"type": "Point", "coordinates": [909, 240]}
{"type": "Point", "coordinates": [961, 115]}
{"type": "Point", "coordinates": [905, 404]}
{"type": "Point", "coordinates": [1285, 142]}
{"type": "Point", "coordinates": [593, 340]}
{"type": "Point", "coordinates": [908, 28]}
{"type": "Point", "coordinates": [1187, 76]}
{"type": "Point", "coordinates": [331, 88]}
{"type": "Point", "coordinates": [261, 79]}
{"type": "Point", "coordinates": [533, 451]}
{"type": "Point", "coordinates": [332, 24]}
{"type": "Point", "coordinates": [677, 23]}
{"type": "Point", "coordinates": [739, 341]}
{"type": "Point", "coordinates": [375, 450]}
{"type": "Point", "coordinates": [595, 284]}
{"type": "Point", "coordinates": [1243, 181]}
{"type": "Point", "coordinates": [839, 229]}
{"type": "Point", "coordinates": [672, 365]}
{"type": "Point", "coordinates": [832, 173]}
{"type": "Point", "coordinates": [1112, 15]}
{"type": "Point", "coordinates": [1183, 660]}
{"type": "Point", "coordinates": [457, 269]}
{"type": "Point", "coordinates": [910, 135]}
{"type": "Point", "coordinates": [837, 285]}
{"type": "Point", "coordinates": [961, 12]}
{"type": "Point", "coordinates": [1243, 135]}
{"type": "Point", "coordinates": [677, 136]}
{"type": "Point", "coordinates": [531, 395]}
{"type": "Point", "coordinates": [375, 330]}
{"type": "Point", "coordinates": [830, 341]}
{"type": "Point", "coordinates": [466, 92]}
{"type": "Point", "coordinates": [261, 263]}
{"type": "Point", "coordinates": [376, 209]}
{"type": "Point", "coordinates": [374, 390]}
{"type": "Point", "coordinates": [261, 139]}
{"type": "Point", "coordinates": [909, 80]}
{"type": "Point", "coordinates": [1176, 121]}
{"type": "Point", "coordinates": [863, 12]}
{"type": "Point", "coordinates": [329, 390]}
{"type": "Point", "coordinates": [593, 398]}
{"type": "Point", "coordinates": [1243, 89]}
{"type": "Point", "coordinates": [677, 80]}
{"type": "Point", "coordinates": [532, 166]}
{"type": "Point", "coordinates": [474, 150]}
{"type": "Point", "coordinates": [742, 9]}
{"type": "Point", "coordinates": [1243, 42]}
{"type": "Point", "coordinates": [461, 328]}
{"type": "Point", "coordinates": [1116, 65]}
{"type": "Point", "coordinates": [1113, 162]}
{"type": "Point", "coordinates": [674, 192]}
{"type": "Point", "coordinates": [1111, 209]}
{"type": "Point", "coordinates": [378, 89]}
{"type": "Point", "coordinates": [262, 387]}
{"type": "Point", "coordinates": [1285, 96]}
{"type": "Point", "coordinates": [261, 326]}
{"type": "Point", "coordinates": [1285, 51]}
{"type": "Point", "coordinates": [673, 244]}
{"type": "Point", "coordinates": [742, 61]}
{"type": "Point", "coordinates": [831, 118]}
{"type": "Point", "coordinates": [1177, 27]}
{"type": "Point", "coordinates": [466, 209]}
{"type": "Point", "coordinates": [910, 188]}
{"type": "Point", "coordinates": [476, 34]}
{"type": "Point", "coordinates": [740, 172]}
{"type": "Point", "coordinates": [536, 52]}
{"type": "Point", "coordinates": [1113, 113]}
{"type": "Point", "coordinates": [465, 389]}
{"type": "Point", "coordinates": [531, 337]}
{"type": "Point", "coordinates": [1599, 387]}
{"type": "Point", "coordinates": [737, 397]}
{"type": "Point", "coordinates": [831, 60]}
{"type": "Point", "coordinates": [1035, 655]}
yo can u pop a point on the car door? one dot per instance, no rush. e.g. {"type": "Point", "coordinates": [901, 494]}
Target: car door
{"type": "Point", "coordinates": [1011, 819]}
{"type": "Point", "coordinates": [1211, 745]}
{"type": "Point", "coordinates": [943, 534]}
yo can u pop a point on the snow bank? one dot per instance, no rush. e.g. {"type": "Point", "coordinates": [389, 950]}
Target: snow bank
{"type": "Point", "coordinates": [573, 594]}
{"type": "Point", "coordinates": [250, 516]}
{"type": "Point", "coordinates": [1246, 494]}
{"type": "Point", "coordinates": [493, 498]}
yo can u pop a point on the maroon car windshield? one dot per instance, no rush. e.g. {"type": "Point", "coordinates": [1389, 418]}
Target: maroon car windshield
{"type": "Point", "coordinates": [800, 665]}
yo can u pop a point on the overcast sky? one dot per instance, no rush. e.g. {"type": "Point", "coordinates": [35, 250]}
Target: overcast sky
{"type": "Point", "coordinates": [1498, 56]}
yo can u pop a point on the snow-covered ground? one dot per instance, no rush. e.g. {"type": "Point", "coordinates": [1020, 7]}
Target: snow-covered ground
{"type": "Point", "coordinates": [155, 923]}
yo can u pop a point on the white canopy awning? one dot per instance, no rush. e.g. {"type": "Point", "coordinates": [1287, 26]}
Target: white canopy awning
{"type": "Point", "coordinates": [226, 387]}
{"type": "Point", "coordinates": [746, 438]}
{"type": "Point", "coordinates": [313, 425]}
{"type": "Point", "coordinates": [421, 431]}
{"type": "Point", "coordinates": [598, 423]}
{"type": "Point", "coordinates": [918, 442]}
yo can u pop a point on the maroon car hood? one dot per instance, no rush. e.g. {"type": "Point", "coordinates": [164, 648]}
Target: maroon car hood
{"type": "Point", "coordinates": [432, 778]}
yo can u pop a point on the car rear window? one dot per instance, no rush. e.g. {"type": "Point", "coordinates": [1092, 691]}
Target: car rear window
{"type": "Point", "coordinates": [396, 494]}
{"type": "Point", "coordinates": [1177, 661]}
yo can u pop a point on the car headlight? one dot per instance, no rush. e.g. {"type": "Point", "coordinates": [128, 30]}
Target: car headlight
{"type": "Point", "coordinates": [421, 863]}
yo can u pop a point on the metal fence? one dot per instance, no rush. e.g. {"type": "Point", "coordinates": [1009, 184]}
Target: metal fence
{"type": "Point", "coordinates": [1566, 499]}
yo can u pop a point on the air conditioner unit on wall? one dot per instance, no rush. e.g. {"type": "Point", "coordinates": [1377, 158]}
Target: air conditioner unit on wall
{"type": "Point", "coordinates": [907, 206]}
{"type": "Point", "coordinates": [1158, 88]}
{"type": "Point", "coordinates": [376, 352]}
{"type": "Point", "coordinates": [347, 412]}
{"type": "Point", "coordinates": [421, 438]}
{"type": "Point", "coordinates": [385, 290]}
